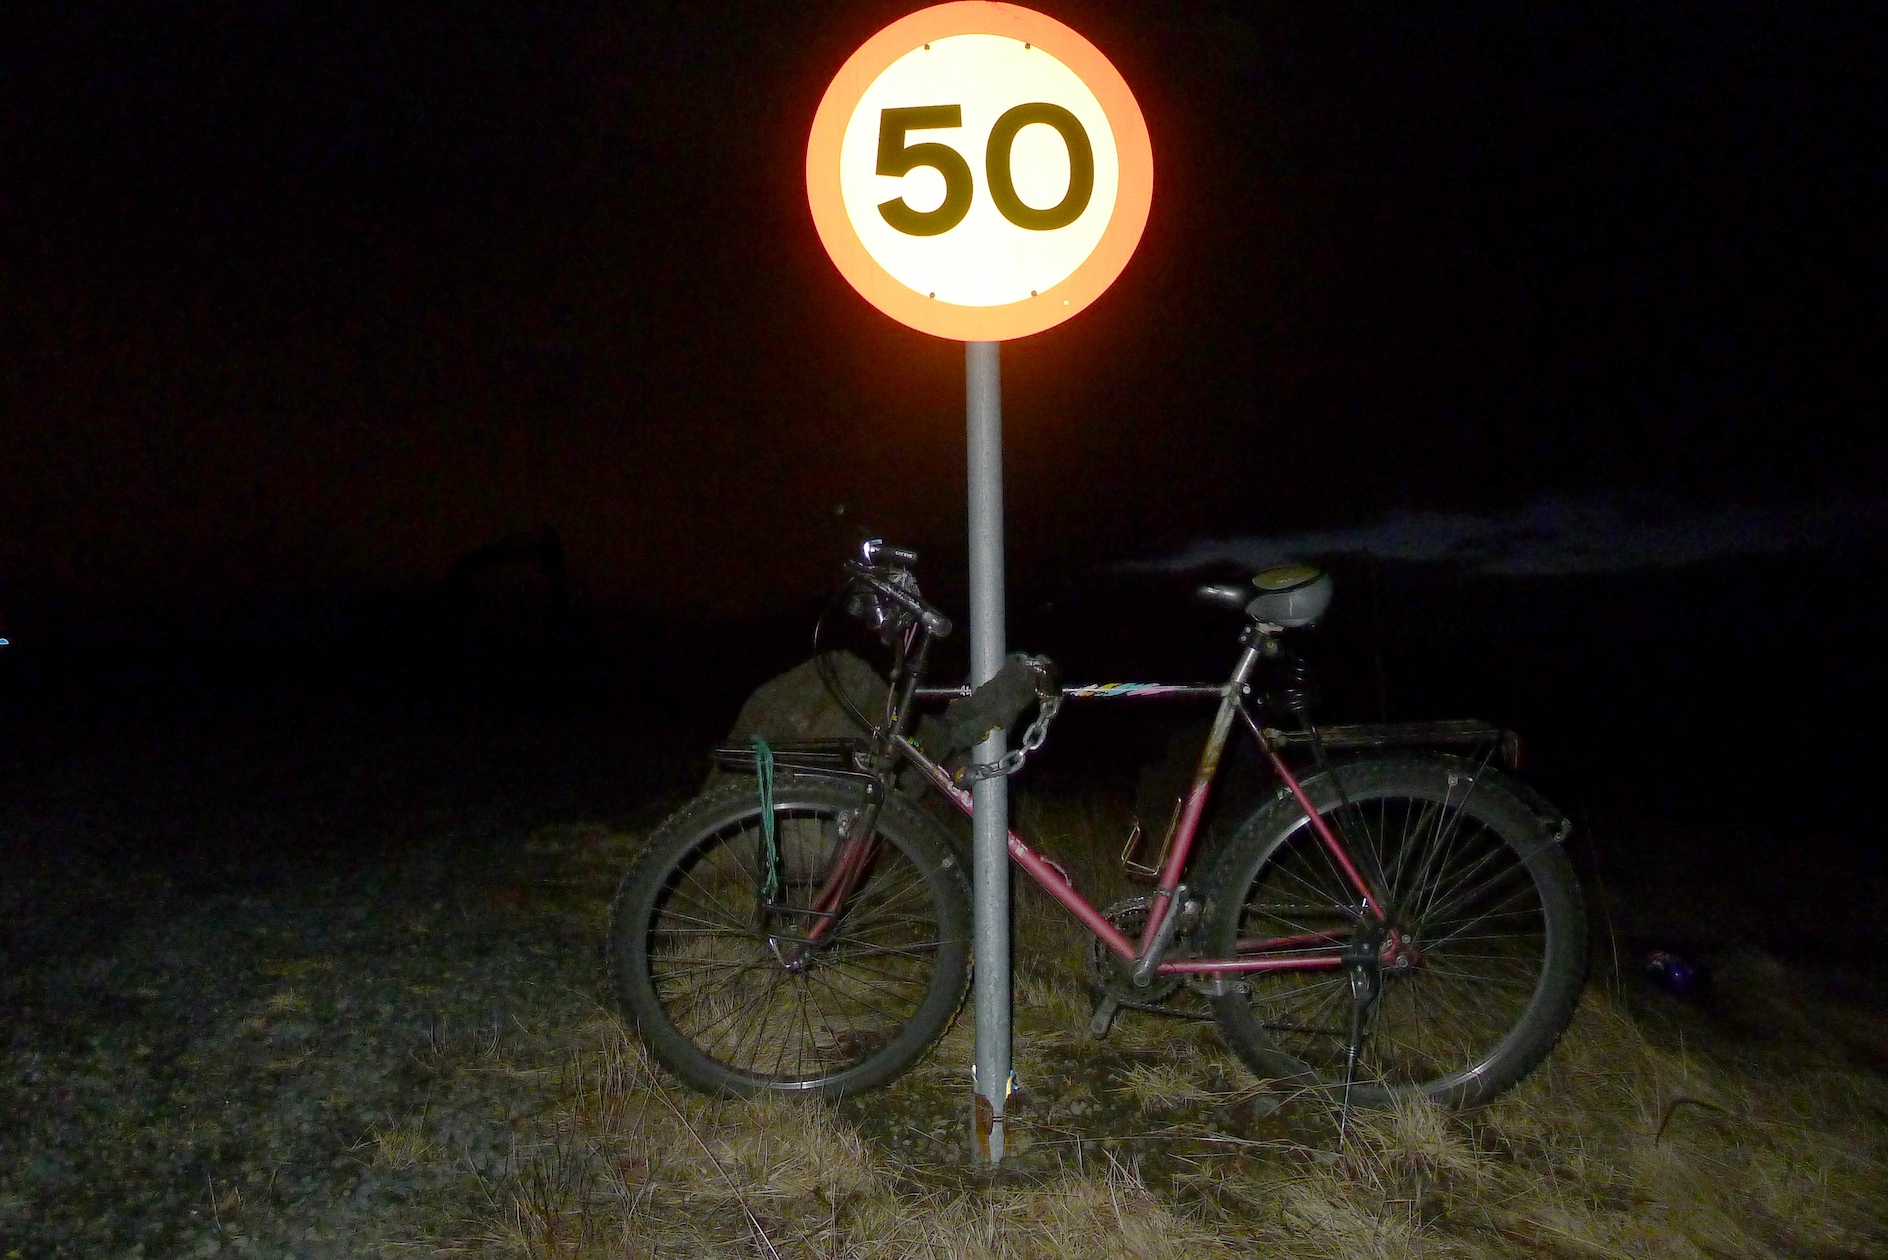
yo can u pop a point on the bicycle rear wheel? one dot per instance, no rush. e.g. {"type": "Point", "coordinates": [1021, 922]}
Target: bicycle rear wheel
{"type": "Point", "coordinates": [1488, 905]}
{"type": "Point", "coordinates": [720, 979]}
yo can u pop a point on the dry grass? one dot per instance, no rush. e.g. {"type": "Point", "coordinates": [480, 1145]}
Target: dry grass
{"type": "Point", "coordinates": [400, 1146]}
{"type": "Point", "coordinates": [1648, 1134]}
{"type": "Point", "coordinates": [637, 1167]}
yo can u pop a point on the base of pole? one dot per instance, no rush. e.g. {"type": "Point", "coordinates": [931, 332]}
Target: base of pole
{"type": "Point", "coordinates": [988, 1132]}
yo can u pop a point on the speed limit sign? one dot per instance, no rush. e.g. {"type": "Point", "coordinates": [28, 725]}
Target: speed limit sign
{"type": "Point", "coordinates": [979, 171]}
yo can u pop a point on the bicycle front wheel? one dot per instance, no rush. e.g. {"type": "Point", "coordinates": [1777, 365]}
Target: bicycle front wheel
{"type": "Point", "coordinates": [739, 983]}
{"type": "Point", "coordinates": [1490, 946]}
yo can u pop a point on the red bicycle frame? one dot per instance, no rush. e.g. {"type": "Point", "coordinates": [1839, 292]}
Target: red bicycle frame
{"type": "Point", "coordinates": [1257, 955]}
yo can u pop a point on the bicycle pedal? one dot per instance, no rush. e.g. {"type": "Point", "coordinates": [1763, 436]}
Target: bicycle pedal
{"type": "Point", "coordinates": [1103, 1018]}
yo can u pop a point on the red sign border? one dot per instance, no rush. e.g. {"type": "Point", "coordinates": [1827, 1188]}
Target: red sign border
{"type": "Point", "coordinates": [980, 323]}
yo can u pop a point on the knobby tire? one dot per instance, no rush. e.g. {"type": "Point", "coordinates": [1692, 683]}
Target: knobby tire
{"type": "Point", "coordinates": [1467, 871]}
{"type": "Point", "coordinates": [705, 969]}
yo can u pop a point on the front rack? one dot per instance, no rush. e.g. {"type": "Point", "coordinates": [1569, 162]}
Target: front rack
{"type": "Point", "coordinates": [827, 758]}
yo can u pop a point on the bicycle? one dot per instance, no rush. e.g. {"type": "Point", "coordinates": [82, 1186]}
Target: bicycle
{"type": "Point", "coordinates": [1400, 917]}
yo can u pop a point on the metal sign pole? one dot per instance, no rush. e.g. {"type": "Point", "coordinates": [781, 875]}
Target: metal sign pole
{"type": "Point", "coordinates": [990, 885]}
{"type": "Point", "coordinates": [926, 269]}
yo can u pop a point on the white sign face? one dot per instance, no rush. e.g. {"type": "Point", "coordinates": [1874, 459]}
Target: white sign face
{"type": "Point", "coordinates": [1059, 165]}
{"type": "Point", "coordinates": [979, 171]}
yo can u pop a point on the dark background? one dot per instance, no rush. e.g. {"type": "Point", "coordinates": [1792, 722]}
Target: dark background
{"type": "Point", "coordinates": [1553, 328]}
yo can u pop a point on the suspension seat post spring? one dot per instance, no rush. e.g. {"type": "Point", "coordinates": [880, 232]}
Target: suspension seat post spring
{"type": "Point", "coordinates": [1299, 694]}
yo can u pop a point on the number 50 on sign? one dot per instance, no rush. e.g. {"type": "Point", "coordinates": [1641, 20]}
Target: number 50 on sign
{"type": "Point", "coordinates": [979, 171]}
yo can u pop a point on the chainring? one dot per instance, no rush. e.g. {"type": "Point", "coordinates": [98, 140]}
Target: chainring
{"type": "Point", "coordinates": [1111, 975]}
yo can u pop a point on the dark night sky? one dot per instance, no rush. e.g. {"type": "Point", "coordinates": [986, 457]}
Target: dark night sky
{"type": "Point", "coordinates": [302, 296]}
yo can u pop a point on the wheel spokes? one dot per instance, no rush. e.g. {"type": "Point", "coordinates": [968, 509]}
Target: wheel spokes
{"type": "Point", "coordinates": [791, 1015]}
{"type": "Point", "coordinates": [1470, 910]}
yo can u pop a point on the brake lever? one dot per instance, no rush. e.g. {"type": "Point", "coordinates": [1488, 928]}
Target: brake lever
{"type": "Point", "coordinates": [933, 620]}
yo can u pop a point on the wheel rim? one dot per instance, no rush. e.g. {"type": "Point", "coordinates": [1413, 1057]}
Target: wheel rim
{"type": "Point", "coordinates": [724, 971]}
{"type": "Point", "coordinates": [1476, 928]}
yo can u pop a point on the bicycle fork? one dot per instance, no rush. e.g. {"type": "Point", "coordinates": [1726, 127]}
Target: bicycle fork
{"type": "Point", "coordinates": [851, 858]}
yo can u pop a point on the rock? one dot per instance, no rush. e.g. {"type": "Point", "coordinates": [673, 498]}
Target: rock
{"type": "Point", "coordinates": [796, 707]}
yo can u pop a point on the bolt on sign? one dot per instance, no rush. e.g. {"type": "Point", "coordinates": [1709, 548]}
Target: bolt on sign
{"type": "Point", "coordinates": [979, 171]}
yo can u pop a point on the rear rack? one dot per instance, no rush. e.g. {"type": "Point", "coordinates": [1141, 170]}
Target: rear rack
{"type": "Point", "coordinates": [1457, 733]}
{"type": "Point", "coordinates": [1452, 733]}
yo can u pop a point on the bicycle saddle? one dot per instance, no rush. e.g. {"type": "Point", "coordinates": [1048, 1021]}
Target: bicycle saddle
{"type": "Point", "coordinates": [1291, 596]}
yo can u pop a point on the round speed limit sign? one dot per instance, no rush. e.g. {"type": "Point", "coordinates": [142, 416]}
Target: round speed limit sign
{"type": "Point", "coordinates": [979, 171]}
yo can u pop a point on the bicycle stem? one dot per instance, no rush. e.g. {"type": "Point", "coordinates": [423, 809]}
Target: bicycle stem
{"type": "Point", "coordinates": [913, 670]}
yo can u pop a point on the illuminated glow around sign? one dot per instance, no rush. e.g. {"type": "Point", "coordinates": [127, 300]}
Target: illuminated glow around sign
{"type": "Point", "coordinates": [985, 260]}
{"type": "Point", "coordinates": [979, 171]}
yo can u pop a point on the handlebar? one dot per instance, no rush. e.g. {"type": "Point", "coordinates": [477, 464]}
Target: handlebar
{"type": "Point", "coordinates": [864, 574]}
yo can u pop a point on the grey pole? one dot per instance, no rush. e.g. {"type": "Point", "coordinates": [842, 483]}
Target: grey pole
{"type": "Point", "coordinates": [990, 885]}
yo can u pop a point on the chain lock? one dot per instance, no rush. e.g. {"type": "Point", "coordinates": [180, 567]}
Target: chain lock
{"type": "Point", "coordinates": [1048, 704]}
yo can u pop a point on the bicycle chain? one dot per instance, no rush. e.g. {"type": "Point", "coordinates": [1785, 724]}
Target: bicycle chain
{"type": "Point", "coordinates": [1048, 704]}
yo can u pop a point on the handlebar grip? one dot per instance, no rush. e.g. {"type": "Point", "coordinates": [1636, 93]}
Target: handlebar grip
{"type": "Point", "coordinates": [878, 551]}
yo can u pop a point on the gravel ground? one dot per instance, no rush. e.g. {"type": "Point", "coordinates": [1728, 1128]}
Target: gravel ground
{"type": "Point", "coordinates": [254, 1027]}
{"type": "Point", "coordinates": [306, 985]}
